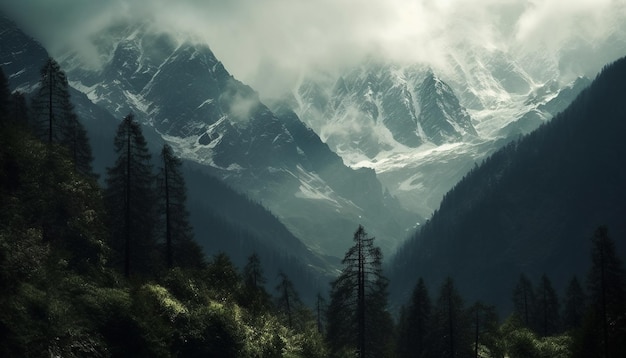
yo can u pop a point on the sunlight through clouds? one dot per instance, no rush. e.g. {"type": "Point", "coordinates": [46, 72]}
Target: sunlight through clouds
{"type": "Point", "coordinates": [280, 39]}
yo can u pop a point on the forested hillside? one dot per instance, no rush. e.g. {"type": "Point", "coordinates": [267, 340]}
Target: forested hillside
{"type": "Point", "coordinates": [532, 207]}
{"type": "Point", "coordinates": [97, 272]}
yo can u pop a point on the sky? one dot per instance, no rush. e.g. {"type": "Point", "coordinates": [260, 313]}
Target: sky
{"type": "Point", "coordinates": [269, 43]}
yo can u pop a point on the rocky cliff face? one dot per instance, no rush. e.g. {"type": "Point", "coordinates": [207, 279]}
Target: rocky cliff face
{"type": "Point", "coordinates": [377, 108]}
{"type": "Point", "coordinates": [182, 91]}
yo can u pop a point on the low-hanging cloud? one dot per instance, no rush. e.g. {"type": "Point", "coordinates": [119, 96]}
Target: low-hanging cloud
{"type": "Point", "coordinates": [269, 43]}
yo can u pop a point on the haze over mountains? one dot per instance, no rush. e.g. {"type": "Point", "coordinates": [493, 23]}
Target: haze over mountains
{"type": "Point", "coordinates": [375, 133]}
{"type": "Point", "coordinates": [532, 207]}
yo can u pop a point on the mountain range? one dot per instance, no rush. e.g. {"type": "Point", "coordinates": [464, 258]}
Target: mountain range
{"type": "Point", "coordinates": [531, 208]}
{"type": "Point", "coordinates": [379, 144]}
{"type": "Point", "coordinates": [422, 132]}
{"type": "Point", "coordinates": [223, 219]}
{"type": "Point", "coordinates": [186, 95]}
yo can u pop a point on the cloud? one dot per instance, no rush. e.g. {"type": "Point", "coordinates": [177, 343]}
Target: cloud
{"type": "Point", "coordinates": [267, 44]}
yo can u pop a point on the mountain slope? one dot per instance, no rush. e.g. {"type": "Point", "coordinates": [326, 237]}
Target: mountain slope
{"type": "Point", "coordinates": [223, 219]}
{"type": "Point", "coordinates": [422, 129]}
{"type": "Point", "coordinates": [532, 206]}
{"type": "Point", "coordinates": [183, 91]}
{"type": "Point", "coordinates": [21, 57]}
{"type": "Point", "coordinates": [379, 107]}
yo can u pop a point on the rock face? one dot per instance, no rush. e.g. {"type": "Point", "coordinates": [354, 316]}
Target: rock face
{"type": "Point", "coordinates": [422, 128]}
{"type": "Point", "coordinates": [406, 123]}
{"type": "Point", "coordinates": [21, 56]}
{"type": "Point", "coordinates": [442, 118]}
{"type": "Point", "coordinates": [378, 108]}
{"type": "Point", "coordinates": [182, 91]}
{"type": "Point", "coordinates": [237, 225]}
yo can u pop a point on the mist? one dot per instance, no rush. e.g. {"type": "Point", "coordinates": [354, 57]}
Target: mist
{"type": "Point", "coordinates": [270, 44]}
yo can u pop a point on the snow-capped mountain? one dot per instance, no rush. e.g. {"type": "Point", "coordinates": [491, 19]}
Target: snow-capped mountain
{"type": "Point", "coordinates": [423, 130]}
{"type": "Point", "coordinates": [184, 92]}
{"type": "Point", "coordinates": [21, 58]}
{"type": "Point", "coordinates": [377, 108]}
{"type": "Point", "coordinates": [414, 128]}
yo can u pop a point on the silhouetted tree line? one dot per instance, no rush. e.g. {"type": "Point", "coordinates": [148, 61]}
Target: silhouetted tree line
{"type": "Point", "coordinates": [98, 272]}
{"type": "Point", "coordinates": [584, 323]}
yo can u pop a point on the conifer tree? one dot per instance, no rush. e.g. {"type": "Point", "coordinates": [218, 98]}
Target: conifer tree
{"type": "Point", "coordinates": [524, 301]}
{"type": "Point", "coordinates": [357, 315]}
{"type": "Point", "coordinates": [415, 327]}
{"type": "Point", "coordinates": [19, 110]}
{"type": "Point", "coordinates": [607, 289]}
{"type": "Point", "coordinates": [80, 149]}
{"type": "Point", "coordinates": [55, 120]}
{"type": "Point", "coordinates": [130, 198]}
{"type": "Point", "coordinates": [255, 296]}
{"type": "Point", "coordinates": [450, 325]}
{"type": "Point", "coordinates": [180, 247]}
{"type": "Point", "coordinates": [320, 310]}
{"type": "Point", "coordinates": [484, 320]}
{"type": "Point", "coordinates": [5, 98]}
{"type": "Point", "coordinates": [288, 301]}
{"type": "Point", "coordinates": [547, 308]}
{"type": "Point", "coordinates": [51, 104]}
{"type": "Point", "coordinates": [575, 305]}
{"type": "Point", "coordinates": [223, 277]}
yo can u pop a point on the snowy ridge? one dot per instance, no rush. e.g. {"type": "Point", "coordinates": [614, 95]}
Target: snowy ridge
{"type": "Point", "coordinates": [465, 113]}
{"type": "Point", "coordinates": [186, 96]}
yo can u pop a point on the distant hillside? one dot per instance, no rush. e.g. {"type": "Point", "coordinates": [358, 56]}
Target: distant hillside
{"type": "Point", "coordinates": [532, 206]}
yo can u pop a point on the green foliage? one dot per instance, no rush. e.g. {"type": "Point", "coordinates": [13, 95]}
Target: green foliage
{"type": "Point", "coordinates": [254, 296]}
{"type": "Point", "coordinates": [523, 343]}
{"type": "Point", "coordinates": [223, 279]}
{"type": "Point", "coordinates": [60, 298]}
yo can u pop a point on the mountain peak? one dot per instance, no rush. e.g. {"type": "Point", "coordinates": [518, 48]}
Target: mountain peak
{"type": "Point", "coordinates": [442, 117]}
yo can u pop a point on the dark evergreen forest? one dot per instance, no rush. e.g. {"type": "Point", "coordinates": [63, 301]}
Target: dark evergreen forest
{"type": "Point", "coordinates": [532, 206]}
{"type": "Point", "coordinates": [117, 267]}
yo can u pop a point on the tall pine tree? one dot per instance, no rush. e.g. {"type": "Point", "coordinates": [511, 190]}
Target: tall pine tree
{"type": "Point", "coordinates": [288, 301]}
{"type": "Point", "coordinates": [180, 248]}
{"type": "Point", "coordinates": [357, 315]}
{"type": "Point", "coordinates": [54, 118]}
{"type": "Point", "coordinates": [131, 200]}
{"type": "Point", "coordinates": [51, 104]}
{"type": "Point", "coordinates": [415, 325]}
{"type": "Point", "coordinates": [5, 98]}
{"type": "Point", "coordinates": [254, 295]}
{"type": "Point", "coordinates": [548, 308]}
{"type": "Point", "coordinates": [451, 336]}
{"type": "Point", "coordinates": [575, 305]}
{"type": "Point", "coordinates": [607, 289]}
{"type": "Point", "coordinates": [484, 320]}
{"type": "Point", "coordinates": [524, 301]}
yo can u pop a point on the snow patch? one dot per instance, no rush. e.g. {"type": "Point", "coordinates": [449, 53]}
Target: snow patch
{"type": "Point", "coordinates": [208, 101]}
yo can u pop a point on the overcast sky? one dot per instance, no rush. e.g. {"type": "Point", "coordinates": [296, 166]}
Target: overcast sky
{"type": "Point", "coordinates": [257, 39]}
